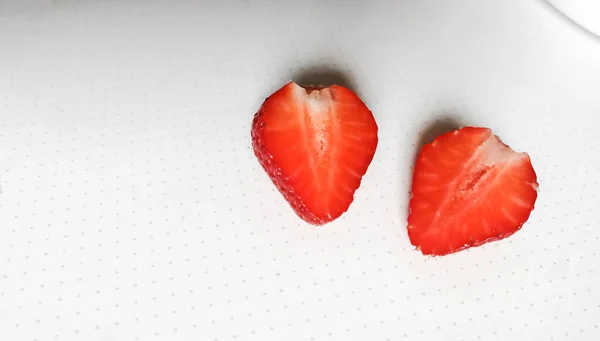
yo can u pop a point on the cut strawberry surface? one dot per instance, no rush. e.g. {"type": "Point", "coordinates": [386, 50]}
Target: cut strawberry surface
{"type": "Point", "coordinates": [315, 144]}
{"type": "Point", "coordinates": [468, 189]}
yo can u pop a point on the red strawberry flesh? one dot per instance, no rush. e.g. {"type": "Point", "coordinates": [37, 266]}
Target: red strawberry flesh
{"type": "Point", "coordinates": [468, 189]}
{"type": "Point", "coordinates": [315, 144]}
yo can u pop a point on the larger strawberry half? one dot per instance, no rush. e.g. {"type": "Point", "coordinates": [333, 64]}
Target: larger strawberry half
{"type": "Point", "coordinates": [315, 144]}
{"type": "Point", "coordinates": [468, 188]}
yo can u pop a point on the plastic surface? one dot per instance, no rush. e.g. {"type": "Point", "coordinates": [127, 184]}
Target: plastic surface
{"type": "Point", "coordinates": [133, 208]}
{"type": "Point", "coordinates": [585, 13]}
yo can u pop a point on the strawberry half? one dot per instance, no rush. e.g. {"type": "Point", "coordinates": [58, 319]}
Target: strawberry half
{"type": "Point", "coordinates": [315, 144]}
{"type": "Point", "coordinates": [468, 189]}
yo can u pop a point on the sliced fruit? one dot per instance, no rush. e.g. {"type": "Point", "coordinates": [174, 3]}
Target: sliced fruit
{"type": "Point", "coordinates": [468, 189]}
{"type": "Point", "coordinates": [315, 144]}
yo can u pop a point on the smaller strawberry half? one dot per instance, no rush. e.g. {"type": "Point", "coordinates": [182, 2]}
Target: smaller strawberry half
{"type": "Point", "coordinates": [315, 144]}
{"type": "Point", "coordinates": [469, 188]}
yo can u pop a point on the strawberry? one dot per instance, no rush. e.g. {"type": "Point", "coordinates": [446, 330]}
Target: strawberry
{"type": "Point", "coordinates": [468, 189]}
{"type": "Point", "coordinates": [315, 144]}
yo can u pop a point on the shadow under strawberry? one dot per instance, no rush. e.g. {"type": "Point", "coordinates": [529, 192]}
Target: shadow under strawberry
{"type": "Point", "coordinates": [323, 75]}
{"type": "Point", "coordinates": [441, 125]}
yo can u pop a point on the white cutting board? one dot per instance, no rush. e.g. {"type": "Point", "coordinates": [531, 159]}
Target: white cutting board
{"type": "Point", "coordinates": [132, 207]}
{"type": "Point", "coordinates": [586, 13]}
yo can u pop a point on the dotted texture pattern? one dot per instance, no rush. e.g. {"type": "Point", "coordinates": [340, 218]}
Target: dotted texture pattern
{"type": "Point", "coordinates": [133, 208]}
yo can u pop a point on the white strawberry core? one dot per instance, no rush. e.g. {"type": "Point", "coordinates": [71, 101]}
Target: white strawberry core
{"type": "Point", "coordinates": [495, 152]}
{"type": "Point", "coordinates": [316, 105]}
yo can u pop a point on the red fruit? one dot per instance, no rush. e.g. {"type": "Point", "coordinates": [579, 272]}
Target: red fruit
{"type": "Point", "coordinates": [315, 144]}
{"type": "Point", "coordinates": [468, 189]}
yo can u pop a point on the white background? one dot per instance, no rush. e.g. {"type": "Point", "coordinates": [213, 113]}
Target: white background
{"type": "Point", "coordinates": [133, 208]}
{"type": "Point", "coordinates": [585, 13]}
